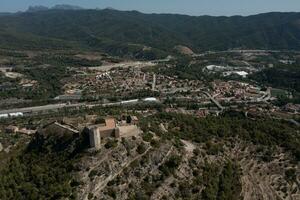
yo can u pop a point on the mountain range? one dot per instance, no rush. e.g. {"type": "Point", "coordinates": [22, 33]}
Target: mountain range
{"type": "Point", "coordinates": [121, 32]}
{"type": "Point", "coordinates": [56, 7]}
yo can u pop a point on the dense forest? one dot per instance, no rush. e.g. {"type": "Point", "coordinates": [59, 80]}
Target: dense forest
{"type": "Point", "coordinates": [44, 170]}
{"type": "Point", "coordinates": [121, 32]}
{"type": "Point", "coordinates": [285, 77]}
{"type": "Point", "coordinates": [281, 77]}
{"type": "Point", "coordinates": [49, 79]}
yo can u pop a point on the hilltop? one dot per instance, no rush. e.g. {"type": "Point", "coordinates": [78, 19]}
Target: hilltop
{"type": "Point", "coordinates": [174, 157]}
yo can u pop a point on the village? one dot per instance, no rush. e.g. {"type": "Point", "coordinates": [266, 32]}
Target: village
{"type": "Point", "coordinates": [148, 85]}
{"type": "Point", "coordinates": [165, 100]}
{"type": "Point", "coordinates": [191, 97]}
{"type": "Point", "coordinates": [128, 85]}
{"type": "Point", "coordinates": [132, 85]}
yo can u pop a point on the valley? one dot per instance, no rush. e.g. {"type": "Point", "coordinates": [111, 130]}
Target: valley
{"type": "Point", "coordinates": [101, 104]}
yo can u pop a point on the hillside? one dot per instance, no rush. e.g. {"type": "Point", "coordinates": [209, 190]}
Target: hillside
{"type": "Point", "coordinates": [111, 29]}
{"type": "Point", "coordinates": [168, 160]}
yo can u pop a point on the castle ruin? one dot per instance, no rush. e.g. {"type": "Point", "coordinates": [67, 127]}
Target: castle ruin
{"type": "Point", "coordinates": [101, 131]}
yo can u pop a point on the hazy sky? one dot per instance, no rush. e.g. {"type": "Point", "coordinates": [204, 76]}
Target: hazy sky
{"type": "Point", "coordinates": [191, 7]}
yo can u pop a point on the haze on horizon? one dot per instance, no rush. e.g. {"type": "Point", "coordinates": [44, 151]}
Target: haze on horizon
{"type": "Point", "coordinates": [190, 7]}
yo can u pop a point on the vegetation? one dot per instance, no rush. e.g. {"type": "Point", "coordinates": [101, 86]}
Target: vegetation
{"type": "Point", "coordinates": [65, 60]}
{"type": "Point", "coordinates": [287, 76]}
{"type": "Point", "coordinates": [291, 175]}
{"type": "Point", "coordinates": [46, 168]}
{"type": "Point", "coordinates": [183, 68]}
{"type": "Point", "coordinates": [111, 143]}
{"type": "Point", "coordinates": [263, 131]}
{"type": "Point", "coordinates": [224, 185]}
{"type": "Point", "coordinates": [127, 33]}
{"type": "Point", "coordinates": [43, 171]}
{"type": "Point", "coordinates": [49, 81]}
{"type": "Point", "coordinates": [147, 137]}
{"type": "Point", "coordinates": [171, 165]}
{"type": "Point", "coordinates": [141, 148]}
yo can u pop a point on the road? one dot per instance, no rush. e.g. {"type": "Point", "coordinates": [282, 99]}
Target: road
{"type": "Point", "coordinates": [41, 108]}
{"type": "Point", "coordinates": [130, 64]}
{"type": "Point", "coordinates": [35, 109]}
{"type": "Point", "coordinates": [237, 51]}
{"type": "Point", "coordinates": [266, 97]}
{"type": "Point", "coordinates": [123, 65]}
{"type": "Point", "coordinates": [214, 101]}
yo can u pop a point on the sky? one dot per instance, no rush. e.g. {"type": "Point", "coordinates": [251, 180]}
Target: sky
{"type": "Point", "coordinates": [190, 7]}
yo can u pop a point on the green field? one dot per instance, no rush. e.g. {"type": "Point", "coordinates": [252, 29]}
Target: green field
{"type": "Point", "coordinates": [278, 92]}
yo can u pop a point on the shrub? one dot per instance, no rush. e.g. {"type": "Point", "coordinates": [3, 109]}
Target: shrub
{"type": "Point", "coordinates": [147, 137]}
{"type": "Point", "coordinates": [141, 148]}
{"type": "Point", "coordinates": [92, 174]}
{"type": "Point", "coordinates": [111, 144]}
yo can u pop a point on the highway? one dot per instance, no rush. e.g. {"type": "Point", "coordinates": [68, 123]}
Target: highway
{"type": "Point", "coordinates": [40, 108]}
{"type": "Point", "coordinates": [49, 107]}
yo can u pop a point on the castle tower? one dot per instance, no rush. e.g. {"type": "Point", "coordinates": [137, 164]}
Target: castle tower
{"type": "Point", "coordinates": [95, 138]}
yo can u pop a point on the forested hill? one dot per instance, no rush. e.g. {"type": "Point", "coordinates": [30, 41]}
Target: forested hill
{"type": "Point", "coordinates": [110, 29]}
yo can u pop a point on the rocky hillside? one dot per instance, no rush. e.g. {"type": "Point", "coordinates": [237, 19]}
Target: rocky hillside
{"type": "Point", "coordinates": [175, 157]}
{"type": "Point", "coordinates": [164, 170]}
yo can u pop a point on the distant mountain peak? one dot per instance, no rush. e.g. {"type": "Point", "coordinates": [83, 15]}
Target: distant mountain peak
{"type": "Point", "coordinates": [56, 7]}
{"type": "Point", "coordinates": [66, 7]}
{"type": "Point", "coordinates": [110, 8]}
{"type": "Point", "coordinates": [37, 8]}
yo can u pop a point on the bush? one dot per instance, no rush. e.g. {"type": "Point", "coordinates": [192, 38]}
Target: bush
{"type": "Point", "coordinates": [141, 148]}
{"type": "Point", "coordinates": [90, 196]}
{"type": "Point", "coordinates": [171, 165]}
{"type": "Point", "coordinates": [213, 149]}
{"type": "Point", "coordinates": [112, 193]}
{"type": "Point", "coordinates": [147, 137]}
{"type": "Point", "coordinates": [196, 152]}
{"type": "Point", "coordinates": [154, 143]}
{"type": "Point", "coordinates": [92, 174]}
{"type": "Point", "coordinates": [111, 143]}
{"type": "Point", "coordinates": [290, 175]}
